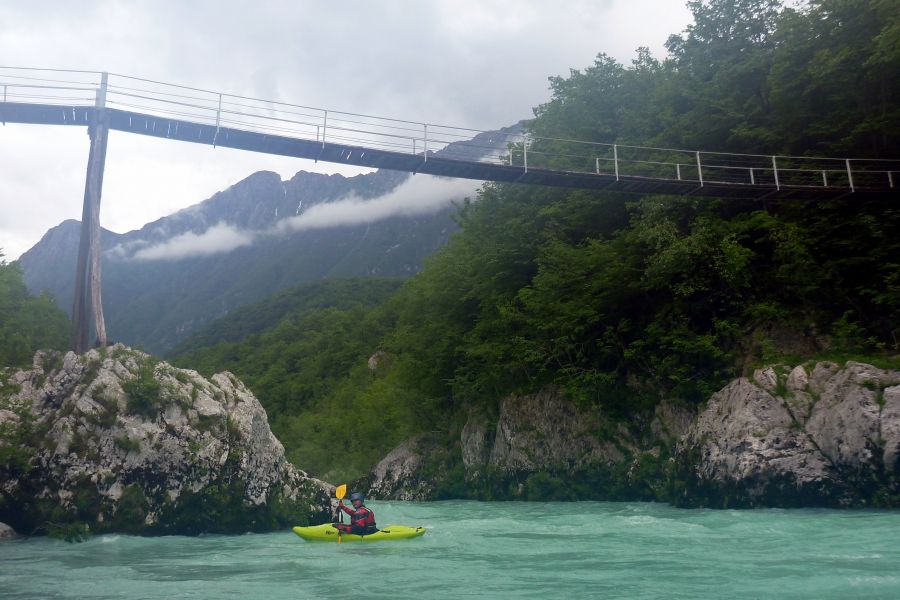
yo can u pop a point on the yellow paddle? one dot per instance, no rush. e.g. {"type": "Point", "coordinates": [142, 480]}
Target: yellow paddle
{"type": "Point", "coordinates": [339, 493]}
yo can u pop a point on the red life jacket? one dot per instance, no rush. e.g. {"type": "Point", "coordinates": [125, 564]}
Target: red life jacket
{"type": "Point", "coordinates": [362, 518]}
{"type": "Point", "coordinates": [362, 521]}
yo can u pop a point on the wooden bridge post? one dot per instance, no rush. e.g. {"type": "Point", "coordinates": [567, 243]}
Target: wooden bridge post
{"type": "Point", "coordinates": [88, 306]}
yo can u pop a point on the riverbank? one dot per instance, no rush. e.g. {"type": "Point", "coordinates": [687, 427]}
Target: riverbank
{"type": "Point", "coordinates": [817, 434]}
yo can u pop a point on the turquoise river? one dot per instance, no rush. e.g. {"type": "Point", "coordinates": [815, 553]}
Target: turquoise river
{"type": "Point", "coordinates": [492, 550]}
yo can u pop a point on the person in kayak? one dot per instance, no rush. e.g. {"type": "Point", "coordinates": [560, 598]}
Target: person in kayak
{"type": "Point", "coordinates": [362, 519]}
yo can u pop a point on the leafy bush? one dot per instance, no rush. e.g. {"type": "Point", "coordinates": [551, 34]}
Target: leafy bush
{"type": "Point", "coordinates": [144, 390]}
{"type": "Point", "coordinates": [127, 444]}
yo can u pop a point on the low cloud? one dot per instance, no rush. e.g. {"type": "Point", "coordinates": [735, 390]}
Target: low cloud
{"type": "Point", "coordinates": [418, 196]}
{"type": "Point", "coordinates": [218, 238]}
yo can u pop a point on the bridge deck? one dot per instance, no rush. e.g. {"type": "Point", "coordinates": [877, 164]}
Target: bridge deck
{"type": "Point", "coordinates": [187, 131]}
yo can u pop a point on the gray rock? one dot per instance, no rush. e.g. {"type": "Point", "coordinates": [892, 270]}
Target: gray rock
{"type": "Point", "coordinates": [747, 436]}
{"type": "Point", "coordinates": [845, 422]}
{"type": "Point", "coordinates": [798, 380]}
{"type": "Point", "coordinates": [545, 431]}
{"type": "Point", "coordinates": [832, 433]}
{"type": "Point", "coordinates": [7, 416]}
{"type": "Point", "coordinates": [766, 378]}
{"type": "Point", "coordinates": [7, 532]}
{"type": "Point", "coordinates": [821, 374]}
{"type": "Point", "coordinates": [890, 429]}
{"type": "Point", "coordinates": [397, 476]}
{"type": "Point", "coordinates": [376, 360]}
{"type": "Point", "coordinates": [670, 421]}
{"type": "Point", "coordinates": [811, 435]}
{"type": "Point", "coordinates": [477, 439]}
{"type": "Point", "coordinates": [116, 431]}
{"type": "Point", "coordinates": [537, 432]}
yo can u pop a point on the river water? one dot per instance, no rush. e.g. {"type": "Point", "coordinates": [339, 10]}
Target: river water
{"type": "Point", "coordinates": [492, 550]}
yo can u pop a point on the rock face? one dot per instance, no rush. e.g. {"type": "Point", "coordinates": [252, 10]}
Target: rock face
{"type": "Point", "coordinates": [544, 431]}
{"type": "Point", "coordinates": [537, 435]}
{"type": "Point", "coordinates": [116, 441]}
{"type": "Point", "coordinates": [399, 474]}
{"type": "Point", "coordinates": [813, 435]}
{"type": "Point", "coordinates": [818, 436]}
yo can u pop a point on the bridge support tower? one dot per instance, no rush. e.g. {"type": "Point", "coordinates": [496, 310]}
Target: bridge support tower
{"type": "Point", "coordinates": [88, 306]}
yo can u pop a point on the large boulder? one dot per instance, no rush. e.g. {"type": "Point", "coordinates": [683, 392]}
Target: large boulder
{"type": "Point", "coordinates": [401, 475]}
{"type": "Point", "coordinates": [7, 532]}
{"type": "Point", "coordinates": [819, 436]}
{"type": "Point", "coordinates": [115, 440]}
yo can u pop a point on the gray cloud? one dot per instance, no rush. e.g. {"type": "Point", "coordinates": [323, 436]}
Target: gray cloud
{"type": "Point", "coordinates": [419, 195]}
{"type": "Point", "coordinates": [217, 239]}
{"type": "Point", "coordinates": [471, 63]}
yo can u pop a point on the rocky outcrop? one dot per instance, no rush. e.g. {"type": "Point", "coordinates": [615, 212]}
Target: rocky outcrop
{"type": "Point", "coordinates": [116, 441]}
{"type": "Point", "coordinates": [7, 532]}
{"type": "Point", "coordinates": [543, 434]}
{"type": "Point", "coordinates": [814, 435]}
{"type": "Point", "coordinates": [400, 474]}
{"type": "Point", "coordinates": [821, 435]}
{"type": "Point", "coordinates": [546, 431]}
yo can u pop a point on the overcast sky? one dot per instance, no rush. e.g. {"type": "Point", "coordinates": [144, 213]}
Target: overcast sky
{"type": "Point", "coordinates": [482, 64]}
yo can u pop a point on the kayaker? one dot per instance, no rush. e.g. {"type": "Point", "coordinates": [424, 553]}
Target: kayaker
{"type": "Point", "coordinates": [362, 519]}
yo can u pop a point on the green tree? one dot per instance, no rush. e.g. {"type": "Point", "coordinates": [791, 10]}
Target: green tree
{"type": "Point", "coordinates": [836, 78]}
{"type": "Point", "coordinates": [27, 323]}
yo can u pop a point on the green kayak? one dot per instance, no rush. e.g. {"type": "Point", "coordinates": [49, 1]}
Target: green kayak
{"type": "Point", "coordinates": [327, 533]}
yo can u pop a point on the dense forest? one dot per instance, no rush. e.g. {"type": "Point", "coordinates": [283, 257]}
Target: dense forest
{"type": "Point", "coordinates": [27, 323]}
{"type": "Point", "coordinates": [622, 300]}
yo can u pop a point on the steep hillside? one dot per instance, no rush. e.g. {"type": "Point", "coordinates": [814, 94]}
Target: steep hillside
{"type": "Point", "coordinates": [169, 278]}
{"type": "Point", "coordinates": [299, 346]}
{"type": "Point", "coordinates": [292, 303]}
{"type": "Point", "coordinates": [154, 300]}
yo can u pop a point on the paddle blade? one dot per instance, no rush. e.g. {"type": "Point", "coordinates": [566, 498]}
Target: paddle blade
{"type": "Point", "coordinates": [340, 491]}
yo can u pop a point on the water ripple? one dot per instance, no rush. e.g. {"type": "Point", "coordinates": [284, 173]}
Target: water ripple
{"type": "Point", "coordinates": [496, 550]}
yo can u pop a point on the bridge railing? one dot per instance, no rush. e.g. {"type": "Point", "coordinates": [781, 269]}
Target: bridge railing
{"type": "Point", "coordinates": [64, 88]}
{"type": "Point", "coordinates": [229, 111]}
{"type": "Point", "coordinates": [705, 168]}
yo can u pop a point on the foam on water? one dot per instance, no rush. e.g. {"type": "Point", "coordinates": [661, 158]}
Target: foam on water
{"type": "Point", "coordinates": [497, 550]}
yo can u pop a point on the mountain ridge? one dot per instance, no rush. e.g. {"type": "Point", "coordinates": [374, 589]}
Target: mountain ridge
{"type": "Point", "coordinates": [173, 275]}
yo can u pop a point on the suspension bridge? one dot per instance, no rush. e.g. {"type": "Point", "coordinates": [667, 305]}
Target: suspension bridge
{"type": "Point", "coordinates": [104, 101]}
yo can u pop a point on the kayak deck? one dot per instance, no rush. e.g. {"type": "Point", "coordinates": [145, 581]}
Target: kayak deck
{"type": "Point", "coordinates": [328, 533]}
